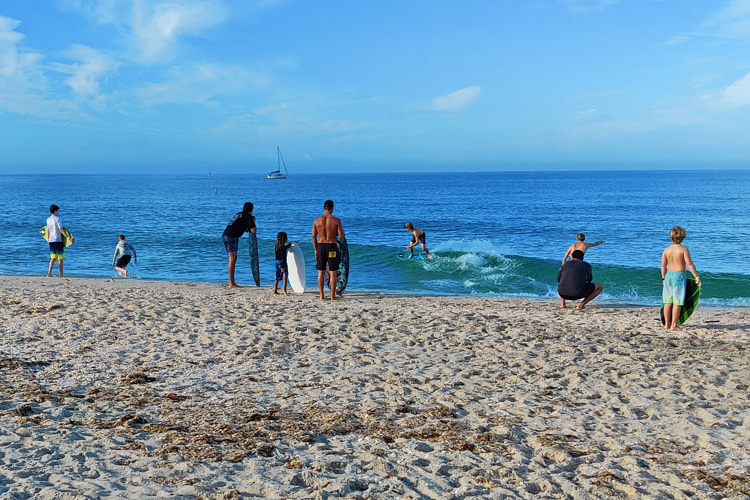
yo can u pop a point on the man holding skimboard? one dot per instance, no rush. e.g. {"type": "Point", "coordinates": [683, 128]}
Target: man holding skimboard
{"type": "Point", "coordinates": [242, 222]}
{"type": "Point", "coordinates": [674, 261]}
{"type": "Point", "coordinates": [324, 232]}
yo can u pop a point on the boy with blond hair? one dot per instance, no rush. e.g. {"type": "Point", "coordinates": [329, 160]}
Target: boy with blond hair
{"type": "Point", "coordinates": [674, 261]}
{"type": "Point", "coordinates": [581, 245]}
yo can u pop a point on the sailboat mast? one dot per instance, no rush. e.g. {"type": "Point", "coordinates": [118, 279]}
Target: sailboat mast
{"type": "Point", "coordinates": [282, 160]}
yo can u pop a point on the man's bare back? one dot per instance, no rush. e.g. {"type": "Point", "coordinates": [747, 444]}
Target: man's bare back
{"type": "Point", "coordinates": [326, 228]}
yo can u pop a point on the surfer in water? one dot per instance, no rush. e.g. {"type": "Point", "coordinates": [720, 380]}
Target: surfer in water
{"type": "Point", "coordinates": [242, 222]}
{"type": "Point", "coordinates": [417, 237]}
{"type": "Point", "coordinates": [575, 281]}
{"type": "Point", "coordinates": [581, 245]}
{"type": "Point", "coordinates": [324, 232]}
{"type": "Point", "coordinates": [674, 261]}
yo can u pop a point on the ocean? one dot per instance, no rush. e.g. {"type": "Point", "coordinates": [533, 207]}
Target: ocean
{"type": "Point", "coordinates": [493, 233]}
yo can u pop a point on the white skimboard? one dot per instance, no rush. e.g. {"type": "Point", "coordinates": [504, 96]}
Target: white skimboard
{"type": "Point", "coordinates": [296, 263]}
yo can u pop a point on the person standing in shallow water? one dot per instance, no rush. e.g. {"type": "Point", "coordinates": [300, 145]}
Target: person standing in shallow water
{"type": "Point", "coordinates": [324, 232]}
{"type": "Point", "coordinates": [242, 222]}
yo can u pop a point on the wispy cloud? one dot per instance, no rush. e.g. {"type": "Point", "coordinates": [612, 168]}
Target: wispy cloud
{"type": "Point", "coordinates": [23, 85]}
{"type": "Point", "coordinates": [90, 67]}
{"type": "Point", "coordinates": [199, 84]}
{"type": "Point", "coordinates": [152, 28]}
{"type": "Point", "coordinates": [456, 100]}
{"type": "Point", "coordinates": [588, 5]}
{"type": "Point", "coordinates": [732, 21]}
{"type": "Point", "coordinates": [15, 64]}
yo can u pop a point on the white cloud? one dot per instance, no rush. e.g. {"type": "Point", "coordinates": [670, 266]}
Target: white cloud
{"type": "Point", "coordinates": [14, 63]}
{"type": "Point", "coordinates": [588, 5]}
{"type": "Point", "coordinates": [153, 28]}
{"type": "Point", "coordinates": [23, 85]}
{"type": "Point", "coordinates": [457, 100]}
{"type": "Point", "coordinates": [157, 27]}
{"type": "Point", "coordinates": [733, 21]}
{"type": "Point", "coordinates": [737, 94]}
{"type": "Point", "coordinates": [199, 84]}
{"type": "Point", "coordinates": [85, 75]}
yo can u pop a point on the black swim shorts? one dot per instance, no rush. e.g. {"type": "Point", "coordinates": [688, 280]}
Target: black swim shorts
{"type": "Point", "coordinates": [587, 290]}
{"type": "Point", "coordinates": [123, 261]}
{"type": "Point", "coordinates": [328, 253]}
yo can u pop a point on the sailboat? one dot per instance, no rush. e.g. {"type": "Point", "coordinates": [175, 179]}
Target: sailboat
{"type": "Point", "coordinates": [278, 174]}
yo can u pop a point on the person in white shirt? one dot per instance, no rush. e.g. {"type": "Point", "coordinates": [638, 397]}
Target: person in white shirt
{"type": "Point", "coordinates": [55, 240]}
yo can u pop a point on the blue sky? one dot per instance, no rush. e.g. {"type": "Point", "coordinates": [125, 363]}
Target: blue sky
{"type": "Point", "coordinates": [215, 85]}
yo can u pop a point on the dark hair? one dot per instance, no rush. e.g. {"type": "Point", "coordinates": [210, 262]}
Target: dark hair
{"type": "Point", "coordinates": [328, 204]}
{"type": "Point", "coordinates": [53, 209]}
{"type": "Point", "coordinates": [578, 254]}
{"type": "Point", "coordinates": [280, 240]}
{"type": "Point", "coordinates": [247, 208]}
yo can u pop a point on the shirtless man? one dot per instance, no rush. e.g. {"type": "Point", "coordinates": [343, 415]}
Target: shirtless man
{"type": "Point", "coordinates": [674, 261]}
{"type": "Point", "coordinates": [324, 232]}
{"type": "Point", "coordinates": [579, 245]}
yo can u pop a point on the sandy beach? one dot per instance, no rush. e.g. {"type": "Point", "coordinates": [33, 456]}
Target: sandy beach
{"type": "Point", "coordinates": [135, 389]}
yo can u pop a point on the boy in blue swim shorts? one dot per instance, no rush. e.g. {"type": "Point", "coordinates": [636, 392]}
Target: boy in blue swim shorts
{"type": "Point", "coordinates": [674, 261]}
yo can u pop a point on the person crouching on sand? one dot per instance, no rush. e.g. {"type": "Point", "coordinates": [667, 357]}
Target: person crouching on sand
{"type": "Point", "coordinates": [417, 237]}
{"type": "Point", "coordinates": [575, 281]}
{"type": "Point", "coordinates": [126, 251]}
{"type": "Point", "coordinates": [674, 260]}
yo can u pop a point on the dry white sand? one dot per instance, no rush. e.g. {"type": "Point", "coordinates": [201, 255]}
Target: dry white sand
{"type": "Point", "coordinates": [132, 389]}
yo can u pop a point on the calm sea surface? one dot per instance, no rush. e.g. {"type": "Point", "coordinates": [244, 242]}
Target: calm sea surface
{"type": "Point", "coordinates": [494, 234]}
